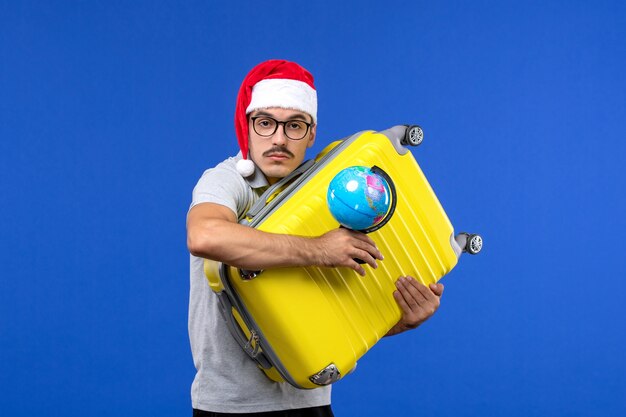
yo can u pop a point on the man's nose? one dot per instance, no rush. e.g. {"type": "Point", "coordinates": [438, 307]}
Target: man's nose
{"type": "Point", "coordinates": [279, 137]}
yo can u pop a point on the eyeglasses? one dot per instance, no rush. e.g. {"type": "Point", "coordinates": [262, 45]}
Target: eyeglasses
{"type": "Point", "coordinates": [267, 126]}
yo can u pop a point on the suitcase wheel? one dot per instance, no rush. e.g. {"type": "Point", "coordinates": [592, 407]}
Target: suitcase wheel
{"type": "Point", "coordinates": [470, 242]}
{"type": "Point", "coordinates": [414, 135]}
{"type": "Point", "coordinates": [474, 244]}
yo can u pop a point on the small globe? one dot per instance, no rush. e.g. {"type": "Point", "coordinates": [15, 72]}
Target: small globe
{"type": "Point", "coordinates": [358, 198]}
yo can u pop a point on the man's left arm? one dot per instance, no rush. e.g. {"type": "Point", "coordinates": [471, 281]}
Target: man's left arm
{"type": "Point", "coordinates": [417, 302]}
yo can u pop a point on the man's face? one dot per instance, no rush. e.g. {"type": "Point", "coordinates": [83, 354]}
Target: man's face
{"type": "Point", "coordinates": [278, 155]}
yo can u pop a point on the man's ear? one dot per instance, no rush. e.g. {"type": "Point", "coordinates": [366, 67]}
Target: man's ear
{"type": "Point", "coordinates": [311, 139]}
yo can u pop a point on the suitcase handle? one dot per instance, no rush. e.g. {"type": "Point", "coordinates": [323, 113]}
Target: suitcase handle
{"type": "Point", "coordinates": [267, 196]}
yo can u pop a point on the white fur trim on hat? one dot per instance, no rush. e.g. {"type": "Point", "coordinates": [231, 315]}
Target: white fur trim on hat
{"type": "Point", "coordinates": [284, 93]}
{"type": "Point", "coordinates": [245, 167]}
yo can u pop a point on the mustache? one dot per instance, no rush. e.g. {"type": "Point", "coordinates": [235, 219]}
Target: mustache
{"type": "Point", "coordinates": [278, 149]}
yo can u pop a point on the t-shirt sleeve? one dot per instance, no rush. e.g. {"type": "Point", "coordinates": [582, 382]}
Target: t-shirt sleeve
{"type": "Point", "coordinates": [221, 186]}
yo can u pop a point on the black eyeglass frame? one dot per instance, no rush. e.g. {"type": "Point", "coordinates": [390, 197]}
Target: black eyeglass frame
{"type": "Point", "coordinates": [307, 124]}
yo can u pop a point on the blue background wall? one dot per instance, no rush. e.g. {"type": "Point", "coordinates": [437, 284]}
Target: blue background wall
{"type": "Point", "coordinates": [110, 111]}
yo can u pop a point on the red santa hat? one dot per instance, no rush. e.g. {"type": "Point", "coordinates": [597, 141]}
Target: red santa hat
{"type": "Point", "coordinates": [273, 83]}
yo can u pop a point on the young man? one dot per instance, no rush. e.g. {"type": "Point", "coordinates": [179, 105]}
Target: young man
{"type": "Point", "coordinates": [275, 122]}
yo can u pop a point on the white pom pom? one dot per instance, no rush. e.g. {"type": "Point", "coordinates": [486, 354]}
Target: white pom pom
{"type": "Point", "coordinates": [245, 167]}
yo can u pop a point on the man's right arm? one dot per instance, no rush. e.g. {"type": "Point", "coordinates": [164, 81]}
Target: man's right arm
{"type": "Point", "coordinates": [213, 233]}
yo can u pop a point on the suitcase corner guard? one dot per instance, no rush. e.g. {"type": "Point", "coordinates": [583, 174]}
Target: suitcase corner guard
{"type": "Point", "coordinates": [326, 376]}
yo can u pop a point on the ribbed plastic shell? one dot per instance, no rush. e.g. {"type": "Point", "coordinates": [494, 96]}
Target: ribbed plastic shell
{"type": "Point", "coordinates": [312, 317]}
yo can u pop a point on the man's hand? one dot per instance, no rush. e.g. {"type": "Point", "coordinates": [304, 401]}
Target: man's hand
{"type": "Point", "coordinates": [417, 302]}
{"type": "Point", "coordinates": [340, 247]}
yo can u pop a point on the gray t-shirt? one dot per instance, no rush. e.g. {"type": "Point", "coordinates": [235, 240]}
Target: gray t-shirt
{"type": "Point", "coordinates": [227, 380]}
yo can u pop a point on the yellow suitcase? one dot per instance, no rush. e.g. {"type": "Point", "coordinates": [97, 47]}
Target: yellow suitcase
{"type": "Point", "coordinates": [309, 326]}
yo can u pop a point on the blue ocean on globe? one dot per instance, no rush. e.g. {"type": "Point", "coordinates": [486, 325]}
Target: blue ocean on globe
{"type": "Point", "coordinates": [358, 198]}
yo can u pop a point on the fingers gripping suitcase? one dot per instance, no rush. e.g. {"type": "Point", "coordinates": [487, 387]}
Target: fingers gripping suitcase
{"type": "Point", "coordinates": [309, 326]}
